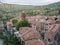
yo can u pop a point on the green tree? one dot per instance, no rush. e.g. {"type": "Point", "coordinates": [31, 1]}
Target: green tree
{"type": "Point", "coordinates": [14, 22]}
{"type": "Point", "coordinates": [23, 23]}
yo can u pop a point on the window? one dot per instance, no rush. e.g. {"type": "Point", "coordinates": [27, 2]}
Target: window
{"type": "Point", "coordinates": [46, 26]}
{"type": "Point", "coordinates": [49, 40]}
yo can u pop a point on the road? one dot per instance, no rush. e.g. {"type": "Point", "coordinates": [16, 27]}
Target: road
{"type": "Point", "coordinates": [1, 42]}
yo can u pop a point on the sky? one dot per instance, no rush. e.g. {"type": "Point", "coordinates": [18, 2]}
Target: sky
{"type": "Point", "coordinates": [30, 2]}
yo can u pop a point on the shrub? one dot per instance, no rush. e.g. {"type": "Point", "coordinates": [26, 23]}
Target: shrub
{"type": "Point", "coordinates": [14, 22]}
{"type": "Point", "coordinates": [23, 23]}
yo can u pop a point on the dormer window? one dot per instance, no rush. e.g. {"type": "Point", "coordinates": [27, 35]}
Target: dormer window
{"type": "Point", "coordinates": [56, 18]}
{"type": "Point", "coordinates": [49, 40]}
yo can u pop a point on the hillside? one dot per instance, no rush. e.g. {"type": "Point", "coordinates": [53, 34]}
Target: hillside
{"type": "Point", "coordinates": [55, 4]}
{"type": "Point", "coordinates": [51, 9]}
{"type": "Point", "coordinates": [12, 10]}
{"type": "Point", "coordinates": [14, 7]}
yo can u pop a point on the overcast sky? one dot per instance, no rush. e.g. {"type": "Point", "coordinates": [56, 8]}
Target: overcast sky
{"type": "Point", "coordinates": [30, 2]}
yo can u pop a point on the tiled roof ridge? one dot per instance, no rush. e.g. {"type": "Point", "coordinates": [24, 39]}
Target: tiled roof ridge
{"type": "Point", "coordinates": [32, 39]}
{"type": "Point", "coordinates": [40, 42]}
{"type": "Point", "coordinates": [26, 32]}
{"type": "Point", "coordinates": [52, 27]}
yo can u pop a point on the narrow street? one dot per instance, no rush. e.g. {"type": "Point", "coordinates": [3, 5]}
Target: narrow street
{"type": "Point", "coordinates": [1, 42]}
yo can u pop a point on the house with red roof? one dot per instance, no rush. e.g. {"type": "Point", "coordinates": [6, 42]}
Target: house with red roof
{"type": "Point", "coordinates": [29, 33]}
{"type": "Point", "coordinates": [34, 42]}
{"type": "Point", "coordinates": [49, 35]}
{"type": "Point", "coordinates": [30, 36]}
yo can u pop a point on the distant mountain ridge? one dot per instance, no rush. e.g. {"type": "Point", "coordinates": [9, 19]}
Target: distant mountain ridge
{"type": "Point", "coordinates": [55, 4]}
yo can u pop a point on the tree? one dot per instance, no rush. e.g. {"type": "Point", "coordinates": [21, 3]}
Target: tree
{"type": "Point", "coordinates": [23, 23]}
{"type": "Point", "coordinates": [14, 22]}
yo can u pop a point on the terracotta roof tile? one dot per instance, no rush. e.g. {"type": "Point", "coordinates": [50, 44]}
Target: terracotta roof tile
{"type": "Point", "coordinates": [29, 33]}
{"type": "Point", "coordinates": [51, 21]}
{"type": "Point", "coordinates": [34, 42]}
{"type": "Point", "coordinates": [51, 32]}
